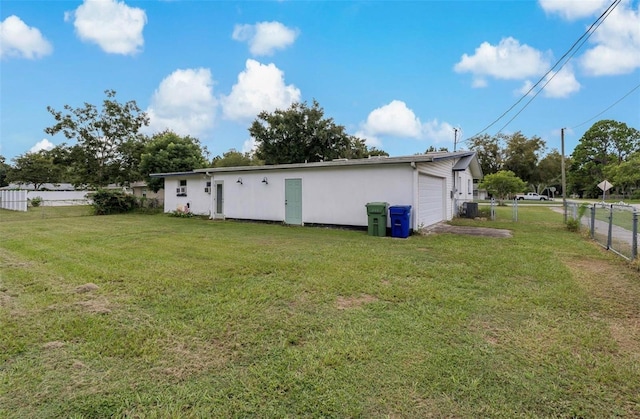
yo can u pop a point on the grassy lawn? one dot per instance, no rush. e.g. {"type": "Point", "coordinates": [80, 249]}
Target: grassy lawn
{"type": "Point", "coordinates": [197, 318]}
{"type": "Point", "coordinates": [42, 212]}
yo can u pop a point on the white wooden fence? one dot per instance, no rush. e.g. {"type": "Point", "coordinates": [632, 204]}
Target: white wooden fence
{"type": "Point", "coordinates": [13, 200]}
{"type": "Point", "coordinates": [17, 200]}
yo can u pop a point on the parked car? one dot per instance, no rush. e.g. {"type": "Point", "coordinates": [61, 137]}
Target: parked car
{"type": "Point", "coordinates": [531, 196]}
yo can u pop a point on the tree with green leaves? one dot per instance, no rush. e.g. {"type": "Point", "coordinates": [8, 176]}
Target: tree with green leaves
{"type": "Point", "coordinates": [606, 142]}
{"type": "Point", "coordinates": [168, 152]}
{"type": "Point", "coordinates": [4, 169]}
{"type": "Point", "coordinates": [234, 158]}
{"type": "Point", "coordinates": [521, 156]}
{"type": "Point", "coordinates": [489, 151]}
{"type": "Point", "coordinates": [626, 175]}
{"type": "Point", "coordinates": [104, 139]}
{"type": "Point", "coordinates": [502, 184]}
{"type": "Point", "coordinates": [34, 168]}
{"type": "Point", "coordinates": [549, 171]}
{"type": "Point", "coordinates": [302, 134]}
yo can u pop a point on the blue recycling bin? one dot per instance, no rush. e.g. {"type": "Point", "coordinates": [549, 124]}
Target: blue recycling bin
{"type": "Point", "coordinates": [400, 220]}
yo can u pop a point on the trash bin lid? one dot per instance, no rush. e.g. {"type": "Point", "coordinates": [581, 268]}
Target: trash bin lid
{"type": "Point", "coordinates": [377, 207]}
{"type": "Point", "coordinates": [400, 209]}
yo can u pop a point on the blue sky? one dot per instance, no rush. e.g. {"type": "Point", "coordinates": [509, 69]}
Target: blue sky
{"type": "Point", "coordinates": [402, 75]}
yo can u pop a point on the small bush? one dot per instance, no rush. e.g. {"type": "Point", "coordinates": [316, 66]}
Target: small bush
{"type": "Point", "coordinates": [112, 202]}
{"type": "Point", "coordinates": [36, 201]}
{"type": "Point", "coordinates": [182, 212]}
{"type": "Point", "coordinates": [573, 224]}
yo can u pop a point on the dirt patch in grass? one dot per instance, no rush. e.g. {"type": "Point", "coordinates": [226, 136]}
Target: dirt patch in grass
{"type": "Point", "coordinates": [88, 287]}
{"type": "Point", "coordinates": [97, 306]}
{"type": "Point", "coordinates": [7, 260]}
{"type": "Point", "coordinates": [467, 231]}
{"type": "Point", "coordinates": [56, 344]}
{"type": "Point", "coordinates": [5, 299]}
{"type": "Point", "coordinates": [344, 303]}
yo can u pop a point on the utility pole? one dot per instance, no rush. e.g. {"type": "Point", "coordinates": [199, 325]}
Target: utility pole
{"type": "Point", "coordinates": [564, 179]}
{"type": "Point", "coordinates": [455, 138]}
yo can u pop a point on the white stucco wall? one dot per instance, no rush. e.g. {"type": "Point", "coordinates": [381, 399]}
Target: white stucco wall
{"type": "Point", "coordinates": [199, 201]}
{"type": "Point", "coordinates": [330, 195]}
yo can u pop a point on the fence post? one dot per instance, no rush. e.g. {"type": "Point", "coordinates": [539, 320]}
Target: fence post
{"type": "Point", "coordinates": [493, 209]}
{"type": "Point", "coordinates": [593, 221]}
{"type": "Point", "coordinates": [514, 210]}
{"type": "Point", "coordinates": [634, 240]}
{"type": "Point", "coordinates": [610, 234]}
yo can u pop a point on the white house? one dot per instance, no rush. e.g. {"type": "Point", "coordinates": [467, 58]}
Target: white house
{"type": "Point", "coordinates": [334, 192]}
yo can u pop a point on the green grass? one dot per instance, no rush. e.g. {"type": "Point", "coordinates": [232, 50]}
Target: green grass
{"type": "Point", "coordinates": [197, 318]}
{"type": "Point", "coordinates": [45, 212]}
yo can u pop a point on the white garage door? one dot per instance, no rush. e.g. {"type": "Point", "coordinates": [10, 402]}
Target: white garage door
{"type": "Point", "coordinates": [431, 200]}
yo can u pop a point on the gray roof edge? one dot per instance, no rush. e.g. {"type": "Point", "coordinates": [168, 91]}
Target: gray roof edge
{"type": "Point", "coordinates": [418, 158]}
{"type": "Point", "coordinates": [171, 174]}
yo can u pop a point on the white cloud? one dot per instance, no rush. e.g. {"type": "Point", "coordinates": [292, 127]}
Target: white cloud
{"type": "Point", "coordinates": [19, 40]}
{"type": "Point", "coordinates": [259, 88]}
{"type": "Point", "coordinates": [399, 121]}
{"type": "Point", "coordinates": [617, 40]}
{"type": "Point", "coordinates": [114, 26]}
{"type": "Point", "coordinates": [369, 139]}
{"type": "Point", "coordinates": [560, 85]}
{"type": "Point", "coordinates": [265, 37]}
{"type": "Point", "coordinates": [439, 132]}
{"type": "Point", "coordinates": [249, 146]}
{"type": "Point", "coordinates": [43, 144]}
{"type": "Point", "coordinates": [571, 10]}
{"type": "Point", "coordinates": [394, 119]}
{"type": "Point", "coordinates": [507, 60]}
{"type": "Point", "coordinates": [184, 103]}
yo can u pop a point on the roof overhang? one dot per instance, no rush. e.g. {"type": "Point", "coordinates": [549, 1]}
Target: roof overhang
{"type": "Point", "coordinates": [467, 159]}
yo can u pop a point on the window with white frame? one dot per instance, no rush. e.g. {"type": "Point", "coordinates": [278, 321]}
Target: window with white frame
{"type": "Point", "coordinates": [181, 190]}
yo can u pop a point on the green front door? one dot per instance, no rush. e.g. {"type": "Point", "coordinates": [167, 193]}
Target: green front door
{"type": "Point", "coordinates": [293, 201]}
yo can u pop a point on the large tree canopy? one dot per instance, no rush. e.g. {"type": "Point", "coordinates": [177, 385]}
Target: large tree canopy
{"type": "Point", "coordinates": [606, 143]}
{"type": "Point", "coordinates": [233, 158]}
{"type": "Point", "coordinates": [522, 155]}
{"type": "Point", "coordinates": [514, 152]}
{"type": "Point", "coordinates": [35, 168]}
{"type": "Point", "coordinates": [105, 139]}
{"type": "Point", "coordinates": [489, 151]}
{"type": "Point", "coordinates": [168, 152]}
{"type": "Point", "coordinates": [302, 134]}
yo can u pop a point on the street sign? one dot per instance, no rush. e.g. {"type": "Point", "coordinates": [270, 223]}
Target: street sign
{"type": "Point", "coordinates": [605, 185]}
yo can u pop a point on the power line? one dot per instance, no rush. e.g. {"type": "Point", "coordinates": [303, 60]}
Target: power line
{"type": "Point", "coordinates": [611, 106]}
{"type": "Point", "coordinates": [583, 38]}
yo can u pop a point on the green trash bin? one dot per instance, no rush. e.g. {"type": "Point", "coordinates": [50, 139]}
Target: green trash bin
{"type": "Point", "coordinates": [377, 214]}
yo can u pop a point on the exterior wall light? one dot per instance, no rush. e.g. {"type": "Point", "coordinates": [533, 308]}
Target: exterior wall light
{"type": "Point", "coordinates": [239, 180]}
{"type": "Point", "coordinates": [265, 180]}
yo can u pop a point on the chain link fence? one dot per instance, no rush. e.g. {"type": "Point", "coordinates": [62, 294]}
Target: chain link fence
{"type": "Point", "coordinates": [613, 226]}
